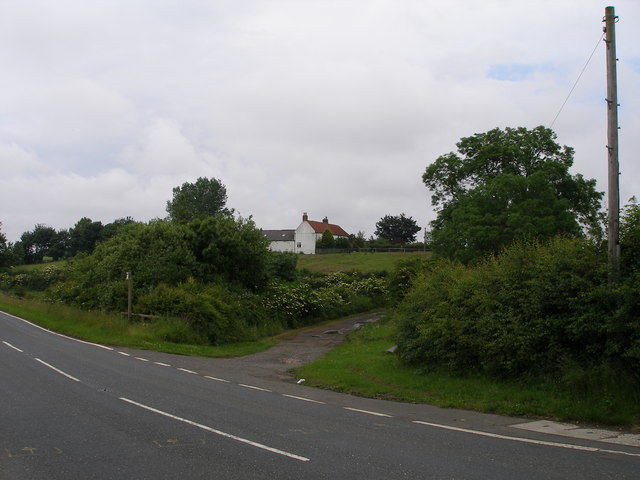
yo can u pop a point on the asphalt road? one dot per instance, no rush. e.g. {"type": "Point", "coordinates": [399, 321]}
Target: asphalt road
{"type": "Point", "coordinates": [73, 410]}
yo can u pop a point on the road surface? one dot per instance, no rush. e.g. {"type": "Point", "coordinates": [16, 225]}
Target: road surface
{"type": "Point", "coordinates": [75, 410]}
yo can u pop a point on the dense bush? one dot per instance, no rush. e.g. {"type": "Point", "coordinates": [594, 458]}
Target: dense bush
{"type": "Point", "coordinates": [531, 310]}
{"type": "Point", "coordinates": [212, 311]}
{"type": "Point", "coordinates": [318, 297]}
{"type": "Point", "coordinates": [154, 253]}
{"type": "Point", "coordinates": [229, 249]}
{"type": "Point", "coordinates": [282, 265]}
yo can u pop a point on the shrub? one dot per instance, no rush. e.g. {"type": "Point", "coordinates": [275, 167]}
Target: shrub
{"type": "Point", "coordinates": [528, 311]}
{"type": "Point", "coordinates": [211, 311]}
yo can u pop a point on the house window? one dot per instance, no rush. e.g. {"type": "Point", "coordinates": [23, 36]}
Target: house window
{"type": "Point", "coordinates": [299, 244]}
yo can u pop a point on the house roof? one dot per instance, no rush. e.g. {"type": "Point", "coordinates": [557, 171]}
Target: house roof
{"type": "Point", "coordinates": [320, 227]}
{"type": "Point", "coordinates": [279, 235]}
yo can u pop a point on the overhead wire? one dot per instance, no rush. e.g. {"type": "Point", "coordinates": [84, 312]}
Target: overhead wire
{"type": "Point", "coordinates": [577, 80]}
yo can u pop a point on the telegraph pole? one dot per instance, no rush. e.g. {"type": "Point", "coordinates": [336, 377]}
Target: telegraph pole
{"type": "Point", "coordinates": [613, 203]}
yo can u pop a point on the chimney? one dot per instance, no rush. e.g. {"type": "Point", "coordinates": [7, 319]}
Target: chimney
{"type": "Point", "coordinates": [325, 220]}
{"type": "Point", "coordinates": [305, 218]}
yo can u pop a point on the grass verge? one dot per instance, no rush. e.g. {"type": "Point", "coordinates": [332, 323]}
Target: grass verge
{"type": "Point", "coordinates": [112, 329]}
{"type": "Point", "coordinates": [361, 366]}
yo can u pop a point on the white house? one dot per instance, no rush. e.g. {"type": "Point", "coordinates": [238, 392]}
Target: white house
{"type": "Point", "coordinates": [304, 237]}
{"type": "Point", "coordinates": [281, 240]}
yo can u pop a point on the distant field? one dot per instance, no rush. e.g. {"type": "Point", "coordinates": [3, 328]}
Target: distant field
{"type": "Point", "coordinates": [38, 266]}
{"type": "Point", "coordinates": [363, 262]}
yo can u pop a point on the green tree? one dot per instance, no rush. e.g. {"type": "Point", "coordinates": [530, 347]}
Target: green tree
{"type": "Point", "coordinates": [230, 249]}
{"type": "Point", "coordinates": [397, 228]}
{"type": "Point", "coordinates": [630, 237]}
{"type": "Point", "coordinates": [110, 229]}
{"type": "Point", "coordinates": [7, 257]}
{"type": "Point", "coordinates": [205, 197]}
{"type": "Point", "coordinates": [38, 243]}
{"type": "Point", "coordinates": [157, 252]}
{"type": "Point", "coordinates": [327, 240]}
{"type": "Point", "coordinates": [503, 185]}
{"type": "Point", "coordinates": [84, 235]}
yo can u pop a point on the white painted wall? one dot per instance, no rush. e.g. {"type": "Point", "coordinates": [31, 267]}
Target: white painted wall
{"type": "Point", "coordinates": [283, 246]}
{"type": "Point", "coordinates": [305, 239]}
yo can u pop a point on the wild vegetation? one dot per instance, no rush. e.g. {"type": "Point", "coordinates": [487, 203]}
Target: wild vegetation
{"type": "Point", "coordinates": [204, 271]}
{"type": "Point", "coordinates": [518, 297]}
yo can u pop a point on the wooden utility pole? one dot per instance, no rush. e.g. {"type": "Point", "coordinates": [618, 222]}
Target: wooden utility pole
{"type": "Point", "coordinates": [612, 139]}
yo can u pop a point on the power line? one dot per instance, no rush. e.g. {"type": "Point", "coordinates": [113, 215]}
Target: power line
{"type": "Point", "coordinates": [577, 80]}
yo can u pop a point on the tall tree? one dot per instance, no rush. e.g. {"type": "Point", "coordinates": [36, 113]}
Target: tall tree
{"type": "Point", "coordinates": [398, 228]}
{"type": "Point", "coordinates": [204, 198]}
{"type": "Point", "coordinates": [84, 235]}
{"type": "Point", "coordinates": [503, 185]}
{"type": "Point", "coordinates": [38, 242]}
{"type": "Point", "coordinates": [7, 257]}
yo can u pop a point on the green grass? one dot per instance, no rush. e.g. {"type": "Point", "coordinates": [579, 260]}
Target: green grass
{"type": "Point", "coordinates": [113, 329]}
{"type": "Point", "coordinates": [361, 366]}
{"type": "Point", "coordinates": [37, 266]}
{"type": "Point", "coordinates": [363, 262]}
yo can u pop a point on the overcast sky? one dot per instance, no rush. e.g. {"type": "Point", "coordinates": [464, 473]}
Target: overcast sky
{"type": "Point", "coordinates": [334, 108]}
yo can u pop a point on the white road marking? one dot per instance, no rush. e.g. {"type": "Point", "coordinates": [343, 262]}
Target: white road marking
{"type": "Point", "coordinates": [252, 387]}
{"type": "Point", "coordinates": [188, 371]}
{"type": "Point", "coordinates": [217, 432]}
{"type": "Point", "coordinates": [377, 414]}
{"type": "Point", "coordinates": [11, 346]}
{"type": "Point", "coordinates": [304, 399]}
{"type": "Point", "coordinates": [56, 333]}
{"type": "Point", "coordinates": [124, 353]}
{"type": "Point", "coordinates": [217, 379]}
{"type": "Point", "coordinates": [162, 364]}
{"type": "Point", "coordinates": [57, 370]}
{"type": "Point", "coordinates": [527, 440]}
{"type": "Point", "coordinates": [141, 359]}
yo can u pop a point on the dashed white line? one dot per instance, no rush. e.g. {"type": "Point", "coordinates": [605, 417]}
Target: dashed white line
{"type": "Point", "coordinates": [253, 388]}
{"type": "Point", "coordinates": [11, 346]}
{"type": "Point", "coordinates": [124, 353]}
{"type": "Point", "coordinates": [57, 370]}
{"type": "Point", "coordinates": [217, 432]}
{"type": "Point", "coordinates": [368, 412]}
{"type": "Point", "coordinates": [141, 359]}
{"type": "Point", "coordinates": [526, 440]}
{"type": "Point", "coordinates": [304, 399]}
{"type": "Point", "coordinates": [217, 379]}
{"type": "Point", "coordinates": [187, 371]}
{"type": "Point", "coordinates": [162, 364]}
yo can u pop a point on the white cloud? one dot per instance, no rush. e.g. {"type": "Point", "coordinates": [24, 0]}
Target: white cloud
{"type": "Point", "coordinates": [329, 107]}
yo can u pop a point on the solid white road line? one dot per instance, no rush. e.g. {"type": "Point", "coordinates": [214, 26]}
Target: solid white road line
{"type": "Point", "coordinates": [217, 432]}
{"type": "Point", "coordinates": [11, 346]}
{"type": "Point", "coordinates": [527, 440]}
{"type": "Point", "coordinates": [377, 414]}
{"type": "Point", "coordinates": [304, 399]}
{"type": "Point", "coordinates": [57, 370]}
{"type": "Point", "coordinates": [252, 387]}
{"type": "Point", "coordinates": [217, 379]}
{"type": "Point", "coordinates": [55, 333]}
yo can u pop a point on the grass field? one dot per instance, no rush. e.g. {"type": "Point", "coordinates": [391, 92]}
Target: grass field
{"type": "Point", "coordinates": [361, 366]}
{"type": "Point", "coordinates": [363, 262]}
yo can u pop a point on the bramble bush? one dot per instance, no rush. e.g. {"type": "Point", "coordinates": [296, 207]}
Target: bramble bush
{"type": "Point", "coordinates": [318, 297]}
{"type": "Point", "coordinates": [532, 310]}
{"type": "Point", "coordinates": [212, 311]}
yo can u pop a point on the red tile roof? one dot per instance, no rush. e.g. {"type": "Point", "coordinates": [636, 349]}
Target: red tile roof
{"type": "Point", "coordinates": [320, 227]}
